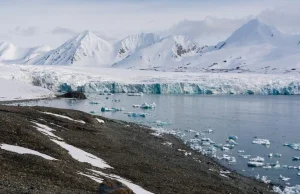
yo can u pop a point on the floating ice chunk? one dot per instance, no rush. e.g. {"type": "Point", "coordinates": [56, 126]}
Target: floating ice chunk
{"type": "Point", "coordinates": [257, 159]}
{"type": "Point", "coordinates": [229, 146]}
{"type": "Point", "coordinates": [298, 174]}
{"type": "Point", "coordinates": [241, 151]}
{"type": "Point", "coordinates": [233, 137]}
{"type": "Point", "coordinates": [132, 114]}
{"type": "Point", "coordinates": [136, 106]}
{"type": "Point", "coordinates": [22, 150]}
{"type": "Point", "coordinates": [284, 178]}
{"type": "Point", "coordinates": [209, 131]}
{"type": "Point", "coordinates": [205, 143]}
{"type": "Point", "coordinates": [92, 102]}
{"type": "Point", "coordinates": [295, 146]}
{"type": "Point", "coordinates": [261, 141]}
{"type": "Point", "coordinates": [105, 109]}
{"type": "Point", "coordinates": [277, 165]}
{"type": "Point", "coordinates": [228, 158]}
{"type": "Point", "coordinates": [148, 106]}
{"type": "Point", "coordinates": [245, 156]}
{"type": "Point", "coordinates": [232, 142]}
{"type": "Point", "coordinates": [255, 164]}
{"type": "Point", "coordinates": [277, 155]}
{"type": "Point", "coordinates": [296, 158]}
{"type": "Point", "coordinates": [265, 180]}
{"type": "Point", "coordinates": [270, 155]}
{"type": "Point", "coordinates": [287, 190]}
{"type": "Point", "coordinates": [135, 94]}
{"type": "Point", "coordinates": [162, 123]}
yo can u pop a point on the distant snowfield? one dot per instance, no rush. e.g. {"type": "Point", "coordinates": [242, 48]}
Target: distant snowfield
{"type": "Point", "coordinates": [16, 90]}
{"type": "Point", "coordinates": [95, 80]}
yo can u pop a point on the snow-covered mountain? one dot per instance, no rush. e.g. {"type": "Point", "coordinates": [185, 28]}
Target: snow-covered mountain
{"type": "Point", "coordinates": [84, 49]}
{"type": "Point", "coordinates": [254, 47]}
{"type": "Point", "coordinates": [10, 53]}
{"type": "Point", "coordinates": [131, 44]}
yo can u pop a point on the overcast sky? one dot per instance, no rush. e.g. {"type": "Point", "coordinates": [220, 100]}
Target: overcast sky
{"type": "Point", "coordinates": [51, 22]}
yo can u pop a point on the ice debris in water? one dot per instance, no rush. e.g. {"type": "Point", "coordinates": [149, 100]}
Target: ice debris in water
{"type": "Point", "coordinates": [92, 102]}
{"type": "Point", "coordinates": [136, 106]}
{"type": "Point", "coordinates": [232, 142]}
{"type": "Point", "coordinates": [162, 123]}
{"type": "Point", "coordinates": [296, 158]}
{"type": "Point", "coordinates": [105, 109]}
{"type": "Point", "coordinates": [256, 162]}
{"type": "Point", "coordinates": [245, 156]}
{"type": "Point", "coordinates": [295, 146]}
{"type": "Point", "coordinates": [270, 155]}
{"type": "Point", "coordinates": [230, 159]}
{"type": "Point", "coordinates": [241, 151]}
{"type": "Point", "coordinates": [263, 179]}
{"type": "Point", "coordinates": [135, 94]}
{"type": "Point", "coordinates": [277, 155]}
{"type": "Point", "coordinates": [233, 137]}
{"type": "Point", "coordinates": [133, 114]}
{"type": "Point", "coordinates": [209, 131]}
{"type": "Point", "coordinates": [261, 141]}
{"type": "Point", "coordinates": [287, 190]}
{"type": "Point", "coordinates": [148, 106]}
{"type": "Point", "coordinates": [284, 178]}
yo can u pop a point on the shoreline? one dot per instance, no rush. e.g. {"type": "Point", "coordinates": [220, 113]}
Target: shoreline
{"type": "Point", "coordinates": [150, 153]}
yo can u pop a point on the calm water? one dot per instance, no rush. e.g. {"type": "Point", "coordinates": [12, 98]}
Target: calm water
{"type": "Point", "coordinates": [276, 118]}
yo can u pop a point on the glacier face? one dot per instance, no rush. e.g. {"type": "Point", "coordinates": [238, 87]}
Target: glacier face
{"type": "Point", "coordinates": [96, 80]}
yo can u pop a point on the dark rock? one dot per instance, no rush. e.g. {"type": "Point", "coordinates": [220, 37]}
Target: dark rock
{"type": "Point", "coordinates": [113, 187]}
{"type": "Point", "coordinates": [77, 95]}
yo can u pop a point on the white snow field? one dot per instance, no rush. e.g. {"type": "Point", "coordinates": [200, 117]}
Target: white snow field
{"type": "Point", "coordinates": [95, 80]}
{"type": "Point", "coordinates": [22, 150]}
{"type": "Point", "coordinates": [16, 90]}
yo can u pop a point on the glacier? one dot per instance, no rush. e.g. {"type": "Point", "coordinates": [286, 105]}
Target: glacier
{"type": "Point", "coordinates": [110, 80]}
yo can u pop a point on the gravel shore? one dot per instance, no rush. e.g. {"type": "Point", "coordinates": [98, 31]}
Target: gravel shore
{"type": "Point", "coordinates": [131, 149]}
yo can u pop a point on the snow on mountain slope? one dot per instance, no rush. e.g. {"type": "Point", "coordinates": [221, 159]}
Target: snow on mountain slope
{"type": "Point", "coordinates": [132, 43]}
{"type": "Point", "coordinates": [84, 49]}
{"type": "Point", "coordinates": [168, 51]}
{"type": "Point", "coordinates": [254, 47]}
{"type": "Point", "coordinates": [9, 53]}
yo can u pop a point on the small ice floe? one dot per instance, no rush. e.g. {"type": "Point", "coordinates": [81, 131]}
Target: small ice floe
{"type": "Point", "coordinates": [209, 131]}
{"type": "Point", "coordinates": [261, 141]}
{"type": "Point", "coordinates": [162, 123]}
{"type": "Point", "coordinates": [167, 143]}
{"type": "Point", "coordinates": [233, 137]}
{"type": "Point", "coordinates": [92, 102]}
{"type": "Point", "coordinates": [241, 151]}
{"type": "Point", "coordinates": [136, 106]}
{"type": "Point", "coordinates": [295, 146]}
{"type": "Point", "coordinates": [230, 159]}
{"type": "Point", "coordinates": [133, 114]}
{"type": "Point", "coordinates": [298, 174]}
{"type": "Point", "coordinates": [22, 150]}
{"type": "Point", "coordinates": [296, 158]}
{"type": "Point", "coordinates": [270, 155]}
{"type": "Point", "coordinates": [100, 121]}
{"type": "Point", "coordinates": [277, 155]}
{"type": "Point", "coordinates": [287, 190]}
{"type": "Point", "coordinates": [245, 156]}
{"type": "Point", "coordinates": [135, 94]}
{"type": "Point", "coordinates": [64, 117]}
{"type": "Point", "coordinates": [229, 146]}
{"type": "Point", "coordinates": [105, 109]}
{"type": "Point", "coordinates": [276, 165]}
{"type": "Point", "coordinates": [232, 142]}
{"type": "Point", "coordinates": [256, 162]}
{"type": "Point", "coordinates": [148, 106]}
{"type": "Point", "coordinates": [265, 180]}
{"type": "Point", "coordinates": [284, 178]}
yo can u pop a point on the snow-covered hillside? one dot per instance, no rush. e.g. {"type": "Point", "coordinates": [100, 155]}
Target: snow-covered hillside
{"type": "Point", "coordinates": [96, 80]}
{"type": "Point", "coordinates": [84, 49]}
{"type": "Point", "coordinates": [10, 53]}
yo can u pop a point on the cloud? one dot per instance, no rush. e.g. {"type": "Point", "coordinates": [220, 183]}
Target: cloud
{"type": "Point", "coordinates": [29, 31]}
{"type": "Point", "coordinates": [60, 30]}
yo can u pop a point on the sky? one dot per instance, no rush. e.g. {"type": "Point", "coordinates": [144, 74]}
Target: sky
{"type": "Point", "coordinates": [29, 23]}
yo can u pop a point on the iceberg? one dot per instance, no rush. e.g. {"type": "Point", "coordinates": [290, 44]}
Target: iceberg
{"type": "Point", "coordinates": [295, 146]}
{"type": "Point", "coordinates": [148, 106]}
{"type": "Point", "coordinates": [257, 159]}
{"type": "Point", "coordinates": [233, 137]}
{"type": "Point", "coordinates": [132, 114]}
{"type": "Point", "coordinates": [255, 164]}
{"type": "Point", "coordinates": [261, 141]}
